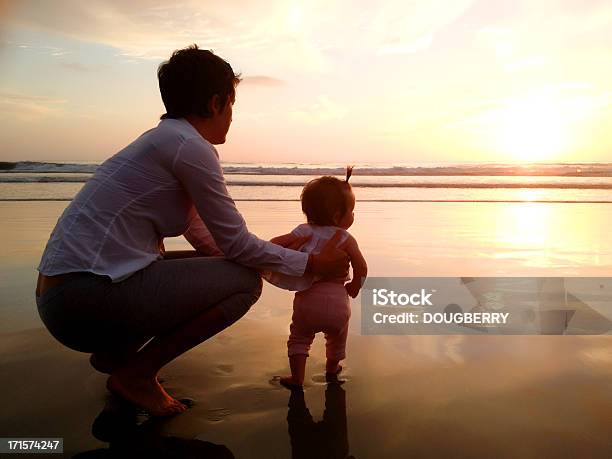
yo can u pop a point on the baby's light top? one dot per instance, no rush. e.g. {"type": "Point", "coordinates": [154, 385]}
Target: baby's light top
{"type": "Point", "coordinates": [320, 236]}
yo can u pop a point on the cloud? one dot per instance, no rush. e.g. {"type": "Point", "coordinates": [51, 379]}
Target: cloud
{"type": "Point", "coordinates": [420, 44]}
{"type": "Point", "coordinates": [261, 80]}
{"type": "Point", "coordinates": [80, 67]}
{"type": "Point", "coordinates": [152, 29]}
{"type": "Point", "coordinates": [301, 35]}
{"type": "Point", "coordinates": [27, 107]}
{"type": "Point", "coordinates": [399, 28]}
{"type": "Point", "coordinates": [323, 110]}
{"type": "Point", "coordinates": [550, 27]}
{"type": "Point", "coordinates": [525, 64]}
{"type": "Point", "coordinates": [50, 50]}
{"type": "Point", "coordinates": [567, 104]}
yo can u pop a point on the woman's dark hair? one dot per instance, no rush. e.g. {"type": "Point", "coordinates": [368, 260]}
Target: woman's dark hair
{"type": "Point", "coordinates": [190, 78]}
{"type": "Point", "coordinates": [323, 197]}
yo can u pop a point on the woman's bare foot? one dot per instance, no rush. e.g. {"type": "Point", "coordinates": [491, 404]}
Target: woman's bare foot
{"type": "Point", "coordinates": [145, 393]}
{"type": "Point", "coordinates": [290, 383]}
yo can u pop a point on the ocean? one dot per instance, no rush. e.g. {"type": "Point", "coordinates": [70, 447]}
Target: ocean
{"type": "Point", "coordinates": [461, 182]}
{"type": "Point", "coordinates": [431, 219]}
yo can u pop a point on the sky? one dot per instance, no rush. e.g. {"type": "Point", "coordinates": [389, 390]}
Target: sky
{"type": "Point", "coordinates": [399, 82]}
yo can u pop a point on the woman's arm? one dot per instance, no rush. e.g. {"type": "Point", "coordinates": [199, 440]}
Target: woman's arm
{"type": "Point", "coordinates": [197, 167]}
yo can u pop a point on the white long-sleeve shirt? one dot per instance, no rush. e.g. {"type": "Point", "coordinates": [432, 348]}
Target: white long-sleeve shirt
{"type": "Point", "coordinates": [166, 183]}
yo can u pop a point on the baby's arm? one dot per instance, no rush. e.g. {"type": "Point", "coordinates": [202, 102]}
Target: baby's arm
{"type": "Point", "coordinates": [360, 267]}
{"type": "Point", "coordinates": [199, 236]}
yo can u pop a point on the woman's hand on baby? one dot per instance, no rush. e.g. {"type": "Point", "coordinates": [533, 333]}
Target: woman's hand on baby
{"type": "Point", "coordinates": [332, 262]}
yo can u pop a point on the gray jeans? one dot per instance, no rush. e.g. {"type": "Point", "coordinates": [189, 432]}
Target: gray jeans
{"type": "Point", "coordinates": [89, 313]}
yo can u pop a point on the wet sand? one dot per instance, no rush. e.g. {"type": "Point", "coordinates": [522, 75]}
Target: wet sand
{"type": "Point", "coordinates": [405, 396]}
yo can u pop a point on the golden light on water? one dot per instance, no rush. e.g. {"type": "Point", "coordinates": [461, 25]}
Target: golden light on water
{"type": "Point", "coordinates": [545, 235]}
{"type": "Point", "coordinates": [530, 194]}
{"type": "Point", "coordinates": [527, 226]}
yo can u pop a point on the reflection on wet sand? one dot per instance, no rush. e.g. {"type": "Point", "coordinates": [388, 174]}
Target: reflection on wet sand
{"type": "Point", "coordinates": [327, 438]}
{"type": "Point", "coordinates": [408, 396]}
{"type": "Point", "coordinates": [122, 426]}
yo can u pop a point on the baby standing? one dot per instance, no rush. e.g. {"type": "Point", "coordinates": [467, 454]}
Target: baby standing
{"type": "Point", "coordinates": [322, 305]}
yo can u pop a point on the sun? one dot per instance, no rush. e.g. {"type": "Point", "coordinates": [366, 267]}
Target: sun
{"type": "Point", "coordinates": [531, 129]}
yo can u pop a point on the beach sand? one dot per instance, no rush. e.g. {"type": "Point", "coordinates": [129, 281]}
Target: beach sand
{"type": "Point", "coordinates": [404, 396]}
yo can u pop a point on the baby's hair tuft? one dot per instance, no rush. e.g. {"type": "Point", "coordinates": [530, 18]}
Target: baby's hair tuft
{"type": "Point", "coordinates": [349, 172]}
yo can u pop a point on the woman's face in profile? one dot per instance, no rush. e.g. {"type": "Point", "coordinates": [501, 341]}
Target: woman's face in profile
{"type": "Point", "coordinates": [222, 121]}
{"type": "Point", "coordinates": [228, 111]}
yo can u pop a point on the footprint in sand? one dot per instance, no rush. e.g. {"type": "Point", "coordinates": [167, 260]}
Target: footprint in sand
{"type": "Point", "coordinates": [275, 382]}
{"type": "Point", "coordinates": [188, 402]}
{"type": "Point", "coordinates": [217, 414]}
{"type": "Point", "coordinates": [224, 339]}
{"type": "Point", "coordinates": [223, 370]}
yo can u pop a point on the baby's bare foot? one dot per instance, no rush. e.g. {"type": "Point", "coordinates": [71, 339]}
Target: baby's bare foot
{"type": "Point", "coordinates": [332, 376]}
{"type": "Point", "coordinates": [290, 383]}
{"type": "Point", "coordinates": [335, 370]}
{"type": "Point", "coordinates": [144, 393]}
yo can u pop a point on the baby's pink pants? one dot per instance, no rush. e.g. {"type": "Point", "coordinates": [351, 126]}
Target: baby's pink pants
{"type": "Point", "coordinates": [324, 307]}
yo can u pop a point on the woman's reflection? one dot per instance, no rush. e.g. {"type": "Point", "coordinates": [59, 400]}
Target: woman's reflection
{"type": "Point", "coordinates": [129, 435]}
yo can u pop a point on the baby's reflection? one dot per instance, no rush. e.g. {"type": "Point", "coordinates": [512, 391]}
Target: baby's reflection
{"type": "Point", "coordinates": [129, 435]}
{"type": "Point", "coordinates": [327, 438]}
